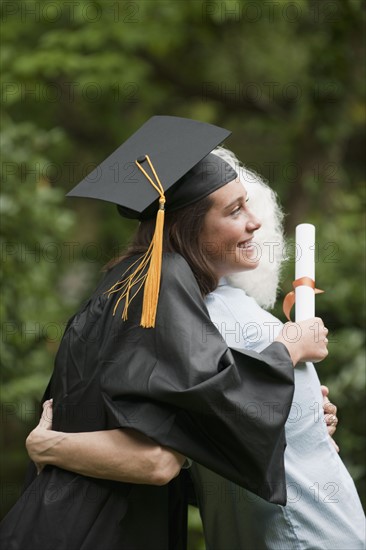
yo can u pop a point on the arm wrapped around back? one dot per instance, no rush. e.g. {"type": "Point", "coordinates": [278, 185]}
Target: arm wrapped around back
{"type": "Point", "coordinates": [180, 385]}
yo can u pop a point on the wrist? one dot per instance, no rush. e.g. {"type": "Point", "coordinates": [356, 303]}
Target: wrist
{"type": "Point", "coordinates": [292, 349]}
{"type": "Point", "coordinates": [41, 445]}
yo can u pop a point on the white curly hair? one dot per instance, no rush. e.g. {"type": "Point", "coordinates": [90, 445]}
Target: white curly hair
{"type": "Point", "coordinates": [260, 283]}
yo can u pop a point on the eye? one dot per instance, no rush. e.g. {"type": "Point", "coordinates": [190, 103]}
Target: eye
{"type": "Point", "coordinates": [235, 211]}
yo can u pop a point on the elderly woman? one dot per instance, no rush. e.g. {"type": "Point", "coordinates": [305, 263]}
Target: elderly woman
{"type": "Point", "coordinates": [323, 509]}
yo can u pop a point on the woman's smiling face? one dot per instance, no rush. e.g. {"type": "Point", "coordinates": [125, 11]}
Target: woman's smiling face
{"type": "Point", "coordinates": [228, 231]}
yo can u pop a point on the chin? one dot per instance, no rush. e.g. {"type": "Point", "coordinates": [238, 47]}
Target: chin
{"type": "Point", "coordinates": [247, 267]}
{"type": "Point", "coordinates": [246, 264]}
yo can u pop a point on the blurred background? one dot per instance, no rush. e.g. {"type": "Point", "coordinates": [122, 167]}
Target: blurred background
{"type": "Point", "coordinates": [79, 77]}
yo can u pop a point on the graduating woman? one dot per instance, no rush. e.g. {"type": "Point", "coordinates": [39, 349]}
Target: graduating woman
{"type": "Point", "coordinates": [143, 354]}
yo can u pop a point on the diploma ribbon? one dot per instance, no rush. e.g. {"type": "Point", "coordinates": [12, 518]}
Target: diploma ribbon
{"type": "Point", "coordinates": [289, 299]}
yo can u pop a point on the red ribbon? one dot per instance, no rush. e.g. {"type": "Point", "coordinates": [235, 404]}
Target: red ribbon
{"type": "Point", "coordinates": [289, 299]}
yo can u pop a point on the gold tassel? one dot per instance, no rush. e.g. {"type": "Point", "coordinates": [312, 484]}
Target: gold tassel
{"type": "Point", "coordinates": [153, 259]}
{"type": "Point", "coordinates": [152, 283]}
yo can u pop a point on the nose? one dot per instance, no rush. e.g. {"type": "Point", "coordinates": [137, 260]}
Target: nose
{"type": "Point", "coordinates": [253, 223]}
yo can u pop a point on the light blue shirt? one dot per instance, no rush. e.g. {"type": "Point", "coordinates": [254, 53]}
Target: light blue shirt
{"type": "Point", "coordinates": [323, 509]}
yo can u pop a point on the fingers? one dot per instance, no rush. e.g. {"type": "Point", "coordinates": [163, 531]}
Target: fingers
{"type": "Point", "coordinates": [320, 333]}
{"type": "Point", "coordinates": [47, 414]}
{"type": "Point", "coordinates": [331, 421]}
{"type": "Point", "coordinates": [311, 337]}
{"type": "Point", "coordinates": [330, 414]}
{"type": "Point", "coordinates": [329, 408]}
{"type": "Point", "coordinates": [321, 354]}
{"type": "Point", "coordinates": [331, 430]}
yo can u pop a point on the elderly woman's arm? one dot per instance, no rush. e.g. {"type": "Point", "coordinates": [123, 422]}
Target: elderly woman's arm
{"type": "Point", "coordinates": [120, 455]}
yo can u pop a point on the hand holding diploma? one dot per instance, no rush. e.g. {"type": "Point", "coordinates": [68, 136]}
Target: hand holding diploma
{"type": "Point", "coordinates": [313, 341]}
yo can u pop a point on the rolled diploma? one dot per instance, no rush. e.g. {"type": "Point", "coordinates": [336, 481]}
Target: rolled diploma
{"type": "Point", "coordinates": [305, 267]}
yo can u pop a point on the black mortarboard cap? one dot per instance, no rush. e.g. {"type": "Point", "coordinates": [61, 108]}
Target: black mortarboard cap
{"type": "Point", "coordinates": [175, 147]}
{"type": "Point", "coordinates": [166, 164]}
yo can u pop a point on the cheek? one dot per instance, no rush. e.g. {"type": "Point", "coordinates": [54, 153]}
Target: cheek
{"type": "Point", "coordinates": [233, 230]}
{"type": "Point", "coordinates": [218, 233]}
{"type": "Point", "coordinates": [213, 241]}
{"type": "Point", "coordinates": [207, 241]}
{"type": "Point", "coordinates": [210, 230]}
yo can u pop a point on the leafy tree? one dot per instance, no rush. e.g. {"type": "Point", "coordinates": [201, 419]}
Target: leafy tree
{"type": "Point", "coordinates": [35, 227]}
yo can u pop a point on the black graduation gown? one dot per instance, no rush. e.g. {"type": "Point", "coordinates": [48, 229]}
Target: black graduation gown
{"type": "Point", "coordinates": [177, 383]}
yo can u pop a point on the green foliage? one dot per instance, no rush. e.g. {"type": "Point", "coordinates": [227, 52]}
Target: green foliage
{"type": "Point", "coordinates": [195, 535]}
{"type": "Point", "coordinates": [34, 225]}
{"type": "Point", "coordinates": [78, 78]}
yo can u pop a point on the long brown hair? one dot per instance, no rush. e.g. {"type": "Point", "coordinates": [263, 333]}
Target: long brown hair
{"type": "Point", "coordinates": [182, 229]}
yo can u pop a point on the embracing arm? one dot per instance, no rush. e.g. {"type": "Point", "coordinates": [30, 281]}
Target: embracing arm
{"type": "Point", "coordinates": [121, 455]}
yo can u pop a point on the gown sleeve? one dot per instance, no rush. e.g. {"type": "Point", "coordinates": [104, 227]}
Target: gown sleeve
{"type": "Point", "coordinates": [182, 386]}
